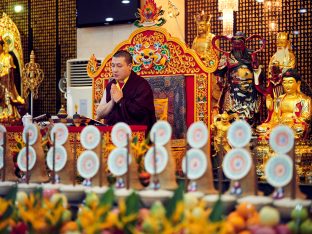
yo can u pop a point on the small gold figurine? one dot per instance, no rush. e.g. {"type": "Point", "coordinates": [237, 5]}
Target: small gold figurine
{"type": "Point", "coordinates": [76, 117]}
{"type": "Point", "coordinates": [219, 129]}
{"type": "Point", "coordinates": [292, 108]}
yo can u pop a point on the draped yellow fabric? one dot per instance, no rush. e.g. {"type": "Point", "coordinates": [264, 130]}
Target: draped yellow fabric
{"type": "Point", "coordinates": [161, 108]}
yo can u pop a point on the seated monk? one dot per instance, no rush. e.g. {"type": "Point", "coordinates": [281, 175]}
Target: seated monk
{"type": "Point", "coordinates": [293, 108]}
{"type": "Point", "coordinates": [128, 97]}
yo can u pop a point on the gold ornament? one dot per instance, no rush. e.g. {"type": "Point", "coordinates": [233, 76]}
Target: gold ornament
{"type": "Point", "coordinates": [32, 77]}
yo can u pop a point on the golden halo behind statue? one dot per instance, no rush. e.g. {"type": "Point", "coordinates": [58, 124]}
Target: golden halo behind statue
{"type": "Point", "coordinates": [8, 38]}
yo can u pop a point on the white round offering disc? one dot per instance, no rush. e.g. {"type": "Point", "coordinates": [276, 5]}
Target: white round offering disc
{"type": "Point", "coordinates": [117, 161]}
{"type": "Point", "coordinates": [119, 134]}
{"type": "Point", "coordinates": [196, 163]}
{"type": "Point", "coordinates": [282, 139]}
{"type": "Point", "coordinates": [197, 135]}
{"type": "Point", "coordinates": [88, 164]}
{"type": "Point", "coordinates": [279, 170]}
{"type": "Point", "coordinates": [236, 164]}
{"type": "Point", "coordinates": [60, 158]}
{"type": "Point", "coordinates": [90, 137]}
{"type": "Point", "coordinates": [21, 158]}
{"type": "Point", "coordinates": [239, 134]}
{"type": "Point", "coordinates": [61, 133]}
{"type": "Point", "coordinates": [2, 130]}
{"type": "Point", "coordinates": [32, 130]}
{"type": "Point", "coordinates": [1, 157]}
{"type": "Point", "coordinates": [161, 160]}
{"type": "Point", "coordinates": [163, 131]}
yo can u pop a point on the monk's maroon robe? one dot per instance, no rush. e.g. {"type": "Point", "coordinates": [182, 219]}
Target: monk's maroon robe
{"type": "Point", "coordinates": [137, 105]}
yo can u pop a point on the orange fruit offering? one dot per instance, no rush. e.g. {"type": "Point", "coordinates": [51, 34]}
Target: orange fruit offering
{"type": "Point", "coordinates": [253, 220]}
{"type": "Point", "coordinates": [245, 232]}
{"type": "Point", "coordinates": [234, 213]}
{"type": "Point", "coordinates": [246, 210]}
{"type": "Point", "coordinates": [237, 222]}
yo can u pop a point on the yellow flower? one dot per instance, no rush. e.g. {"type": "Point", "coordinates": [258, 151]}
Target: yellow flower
{"type": "Point", "coordinates": [90, 219]}
{"type": "Point", "coordinates": [4, 204]}
{"type": "Point", "coordinates": [178, 212]}
{"type": "Point", "coordinates": [122, 206]}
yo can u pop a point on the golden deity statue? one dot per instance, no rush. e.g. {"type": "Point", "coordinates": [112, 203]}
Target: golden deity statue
{"type": "Point", "coordinates": [8, 94]}
{"type": "Point", "coordinates": [293, 108]}
{"type": "Point", "coordinates": [202, 44]}
{"type": "Point", "coordinates": [284, 58]}
{"type": "Point", "coordinates": [219, 129]}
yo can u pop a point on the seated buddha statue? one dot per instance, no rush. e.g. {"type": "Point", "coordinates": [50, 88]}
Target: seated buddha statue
{"type": "Point", "coordinates": [9, 96]}
{"type": "Point", "coordinates": [293, 108]}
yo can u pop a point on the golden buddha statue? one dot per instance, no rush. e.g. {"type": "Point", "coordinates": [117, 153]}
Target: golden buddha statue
{"type": "Point", "coordinates": [8, 94]}
{"type": "Point", "coordinates": [284, 58]}
{"type": "Point", "coordinates": [202, 44]}
{"type": "Point", "coordinates": [293, 108]}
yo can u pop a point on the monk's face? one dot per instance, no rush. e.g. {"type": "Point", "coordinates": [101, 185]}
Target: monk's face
{"type": "Point", "coordinates": [121, 70]}
{"type": "Point", "coordinates": [290, 85]}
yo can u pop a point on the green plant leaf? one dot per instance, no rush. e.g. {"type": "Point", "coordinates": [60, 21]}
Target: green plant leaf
{"type": "Point", "coordinates": [12, 194]}
{"type": "Point", "coordinates": [217, 211]}
{"type": "Point", "coordinates": [171, 204]}
{"type": "Point", "coordinates": [132, 204]}
{"type": "Point", "coordinates": [135, 140]}
{"type": "Point", "coordinates": [107, 198]}
{"type": "Point", "coordinates": [38, 192]}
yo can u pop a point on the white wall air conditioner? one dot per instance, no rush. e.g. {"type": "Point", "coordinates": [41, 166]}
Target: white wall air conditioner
{"type": "Point", "coordinates": [79, 87]}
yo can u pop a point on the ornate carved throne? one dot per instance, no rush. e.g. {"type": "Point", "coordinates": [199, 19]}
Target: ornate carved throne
{"type": "Point", "coordinates": [179, 79]}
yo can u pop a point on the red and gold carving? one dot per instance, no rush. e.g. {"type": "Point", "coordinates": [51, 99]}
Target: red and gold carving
{"type": "Point", "coordinates": [183, 61]}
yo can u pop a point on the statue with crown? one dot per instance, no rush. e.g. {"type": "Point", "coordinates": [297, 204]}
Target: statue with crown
{"type": "Point", "coordinates": [285, 102]}
{"type": "Point", "coordinates": [10, 47]}
{"type": "Point", "coordinates": [202, 44]}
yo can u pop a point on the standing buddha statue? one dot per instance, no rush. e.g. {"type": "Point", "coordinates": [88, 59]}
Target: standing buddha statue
{"type": "Point", "coordinates": [293, 108]}
{"type": "Point", "coordinates": [9, 96]}
{"type": "Point", "coordinates": [202, 44]}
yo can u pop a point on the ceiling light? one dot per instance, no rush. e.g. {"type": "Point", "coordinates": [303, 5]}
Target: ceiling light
{"type": "Point", "coordinates": [109, 19]}
{"type": "Point", "coordinates": [125, 1]}
{"type": "Point", "coordinates": [18, 8]}
{"type": "Point", "coordinates": [259, 0]}
{"type": "Point", "coordinates": [220, 18]}
{"type": "Point", "coordinates": [296, 32]}
{"type": "Point", "coordinates": [303, 10]}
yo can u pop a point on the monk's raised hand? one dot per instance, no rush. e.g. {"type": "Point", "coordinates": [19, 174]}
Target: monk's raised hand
{"type": "Point", "coordinates": [117, 95]}
{"type": "Point", "coordinates": [113, 88]}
